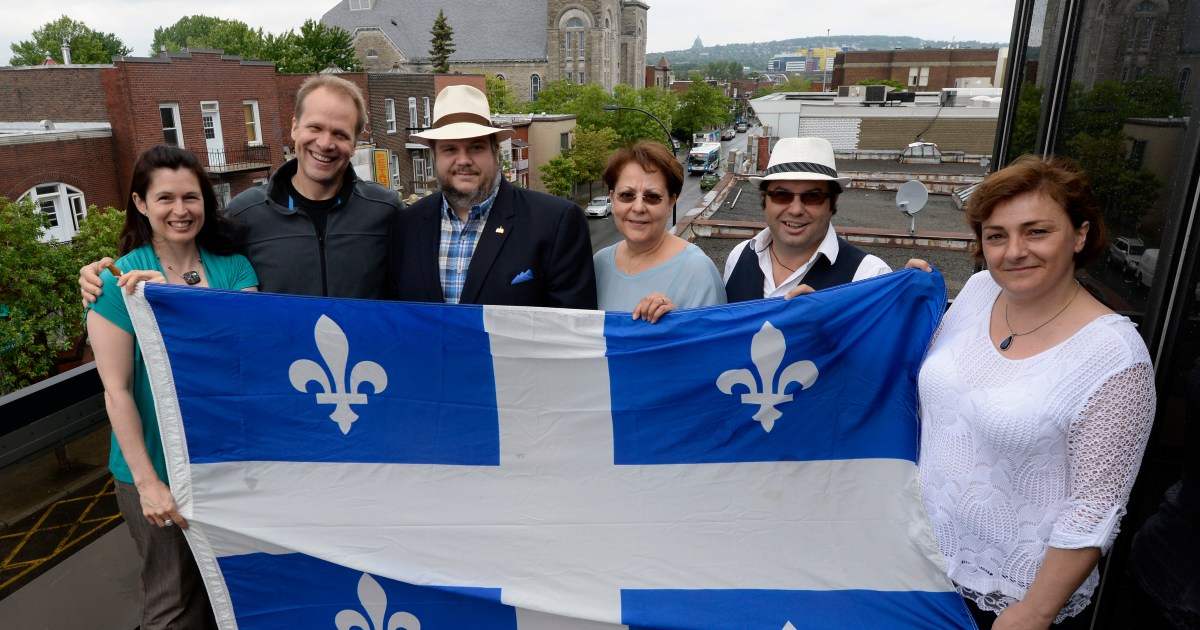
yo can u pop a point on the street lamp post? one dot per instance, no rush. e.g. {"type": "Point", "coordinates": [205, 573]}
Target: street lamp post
{"type": "Point", "coordinates": [670, 140]}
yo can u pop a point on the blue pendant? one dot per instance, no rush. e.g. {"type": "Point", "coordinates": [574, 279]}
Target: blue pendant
{"type": "Point", "coordinates": [1006, 343]}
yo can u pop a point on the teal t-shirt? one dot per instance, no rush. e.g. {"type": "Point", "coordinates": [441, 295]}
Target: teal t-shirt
{"type": "Point", "coordinates": [223, 272]}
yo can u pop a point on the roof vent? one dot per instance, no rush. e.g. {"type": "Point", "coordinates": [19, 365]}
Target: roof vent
{"type": "Point", "coordinates": [47, 124]}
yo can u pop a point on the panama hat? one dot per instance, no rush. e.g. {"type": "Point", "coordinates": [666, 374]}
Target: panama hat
{"type": "Point", "coordinates": [461, 112]}
{"type": "Point", "coordinates": [802, 159]}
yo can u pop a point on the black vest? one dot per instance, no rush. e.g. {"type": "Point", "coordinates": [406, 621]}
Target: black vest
{"type": "Point", "coordinates": [746, 280]}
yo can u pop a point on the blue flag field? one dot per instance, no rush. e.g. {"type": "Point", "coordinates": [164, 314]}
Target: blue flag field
{"type": "Point", "coordinates": [383, 465]}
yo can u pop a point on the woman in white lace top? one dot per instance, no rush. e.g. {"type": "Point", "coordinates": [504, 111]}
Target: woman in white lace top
{"type": "Point", "coordinates": [1036, 403]}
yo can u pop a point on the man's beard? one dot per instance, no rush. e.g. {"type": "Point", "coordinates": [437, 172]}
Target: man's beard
{"type": "Point", "coordinates": [466, 198]}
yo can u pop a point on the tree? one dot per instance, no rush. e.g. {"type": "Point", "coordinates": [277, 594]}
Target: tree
{"type": "Point", "coordinates": [723, 70]}
{"type": "Point", "coordinates": [559, 175]}
{"type": "Point", "coordinates": [442, 44]}
{"type": "Point", "coordinates": [233, 37]}
{"type": "Point", "coordinates": [892, 83]}
{"type": "Point", "coordinates": [87, 46]}
{"type": "Point", "coordinates": [39, 297]}
{"type": "Point", "coordinates": [633, 126]}
{"type": "Point", "coordinates": [588, 107]}
{"type": "Point", "coordinates": [1025, 126]}
{"type": "Point", "coordinates": [590, 153]}
{"type": "Point", "coordinates": [793, 84]}
{"type": "Point", "coordinates": [317, 47]}
{"type": "Point", "coordinates": [700, 107]}
{"type": "Point", "coordinates": [1127, 194]}
{"type": "Point", "coordinates": [554, 97]}
{"type": "Point", "coordinates": [500, 96]}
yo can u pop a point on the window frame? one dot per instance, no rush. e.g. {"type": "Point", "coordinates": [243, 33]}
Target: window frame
{"type": "Point", "coordinates": [256, 124]}
{"type": "Point", "coordinates": [69, 208]}
{"type": "Point", "coordinates": [389, 114]}
{"type": "Point", "coordinates": [177, 129]}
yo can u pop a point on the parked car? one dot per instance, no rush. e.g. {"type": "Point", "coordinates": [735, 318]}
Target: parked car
{"type": "Point", "coordinates": [1124, 252]}
{"type": "Point", "coordinates": [708, 182]}
{"type": "Point", "coordinates": [1145, 268]}
{"type": "Point", "coordinates": [728, 134]}
{"type": "Point", "coordinates": [741, 127]}
{"type": "Point", "coordinates": [598, 207]}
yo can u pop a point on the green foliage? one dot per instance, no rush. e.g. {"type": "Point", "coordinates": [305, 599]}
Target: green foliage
{"type": "Point", "coordinates": [40, 314]}
{"type": "Point", "coordinates": [559, 175]}
{"type": "Point", "coordinates": [554, 97]}
{"type": "Point", "coordinates": [633, 126]}
{"type": "Point", "coordinates": [590, 153]}
{"type": "Point", "coordinates": [441, 46]}
{"type": "Point", "coordinates": [500, 96]}
{"type": "Point", "coordinates": [723, 70]}
{"type": "Point", "coordinates": [793, 84]}
{"type": "Point", "coordinates": [87, 46]}
{"type": "Point", "coordinates": [700, 107]}
{"type": "Point", "coordinates": [317, 47]}
{"type": "Point", "coordinates": [1025, 127]}
{"type": "Point", "coordinates": [892, 83]}
{"type": "Point", "coordinates": [1104, 109]}
{"type": "Point", "coordinates": [234, 37]}
{"type": "Point", "coordinates": [1126, 194]}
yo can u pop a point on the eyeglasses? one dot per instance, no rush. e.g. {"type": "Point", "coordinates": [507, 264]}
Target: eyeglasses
{"type": "Point", "coordinates": [650, 199]}
{"type": "Point", "coordinates": [808, 197]}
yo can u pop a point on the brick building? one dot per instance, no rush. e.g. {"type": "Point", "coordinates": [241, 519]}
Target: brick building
{"type": "Point", "coordinates": [923, 70]}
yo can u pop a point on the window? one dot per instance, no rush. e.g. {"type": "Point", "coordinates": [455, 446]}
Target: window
{"type": "Point", "coordinates": [360, 5]}
{"type": "Point", "coordinates": [573, 41]}
{"type": "Point", "coordinates": [389, 114]}
{"type": "Point", "coordinates": [570, 77]}
{"type": "Point", "coordinates": [535, 86]}
{"type": "Point", "coordinates": [172, 135]}
{"type": "Point", "coordinates": [372, 53]}
{"type": "Point", "coordinates": [427, 117]}
{"type": "Point", "coordinates": [1184, 76]}
{"type": "Point", "coordinates": [581, 81]}
{"type": "Point", "coordinates": [412, 112]}
{"type": "Point", "coordinates": [918, 76]}
{"type": "Point", "coordinates": [63, 204]}
{"type": "Point", "coordinates": [209, 110]}
{"type": "Point", "coordinates": [253, 137]}
{"type": "Point", "coordinates": [564, 141]}
{"type": "Point", "coordinates": [394, 164]}
{"type": "Point", "coordinates": [221, 190]}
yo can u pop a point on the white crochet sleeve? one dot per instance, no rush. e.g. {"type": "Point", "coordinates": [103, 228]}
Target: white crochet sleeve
{"type": "Point", "coordinates": [1104, 450]}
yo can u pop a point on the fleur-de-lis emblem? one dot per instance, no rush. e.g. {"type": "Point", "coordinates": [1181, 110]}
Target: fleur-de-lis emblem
{"type": "Point", "coordinates": [766, 391]}
{"type": "Point", "coordinates": [335, 350]}
{"type": "Point", "coordinates": [374, 601]}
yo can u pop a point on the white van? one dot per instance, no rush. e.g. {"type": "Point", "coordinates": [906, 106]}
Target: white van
{"type": "Point", "coordinates": [1145, 268]}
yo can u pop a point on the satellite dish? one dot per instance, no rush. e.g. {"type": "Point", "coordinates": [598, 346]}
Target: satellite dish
{"type": "Point", "coordinates": [910, 198]}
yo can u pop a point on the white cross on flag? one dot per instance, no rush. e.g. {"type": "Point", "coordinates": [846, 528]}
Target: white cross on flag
{"type": "Point", "coordinates": [354, 464]}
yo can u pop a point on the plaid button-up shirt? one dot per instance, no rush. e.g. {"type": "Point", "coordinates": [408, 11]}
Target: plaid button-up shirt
{"type": "Point", "coordinates": [457, 244]}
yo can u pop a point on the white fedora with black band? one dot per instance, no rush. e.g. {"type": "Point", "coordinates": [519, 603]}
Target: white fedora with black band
{"type": "Point", "coordinates": [803, 159]}
{"type": "Point", "coordinates": [461, 112]}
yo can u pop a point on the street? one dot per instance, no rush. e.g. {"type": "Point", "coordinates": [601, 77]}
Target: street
{"type": "Point", "coordinates": [604, 231]}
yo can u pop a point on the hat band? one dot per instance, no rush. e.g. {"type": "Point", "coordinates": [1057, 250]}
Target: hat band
{"type": "Point", "coordinates": [461, 117]}
{"type": "Point", "coordinates": [802, 167]}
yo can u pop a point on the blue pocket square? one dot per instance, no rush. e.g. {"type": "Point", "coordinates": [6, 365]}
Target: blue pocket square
{"type": "Point", "coordinates": [524, 276]}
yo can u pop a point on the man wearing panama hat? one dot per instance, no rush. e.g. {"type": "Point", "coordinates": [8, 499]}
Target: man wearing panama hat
{"type": "Point", "coordinates": [482, 240]}
{"type": "Point", "coordinates": [799, 251]}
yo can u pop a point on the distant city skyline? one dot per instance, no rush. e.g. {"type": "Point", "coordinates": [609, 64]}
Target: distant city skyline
{"type": "Point", "coordinates": [673, 24]}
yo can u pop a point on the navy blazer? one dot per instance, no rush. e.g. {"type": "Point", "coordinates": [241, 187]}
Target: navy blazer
{"type": "Point", "coordinates": [535, 250]}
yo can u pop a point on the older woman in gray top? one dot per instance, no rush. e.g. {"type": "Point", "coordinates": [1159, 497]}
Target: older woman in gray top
{"type": "Point", "coordinates": [652, 271]}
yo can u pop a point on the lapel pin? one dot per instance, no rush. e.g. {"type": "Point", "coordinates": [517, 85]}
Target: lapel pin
{"type": "Point", "coordinates": [500, 230]}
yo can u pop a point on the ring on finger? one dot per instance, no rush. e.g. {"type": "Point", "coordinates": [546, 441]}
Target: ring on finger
{"type": "Point", "coordinates": [168, 522]}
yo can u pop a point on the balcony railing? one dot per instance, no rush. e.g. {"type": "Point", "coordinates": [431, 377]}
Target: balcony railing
{"type": "Point", "coordinates": [247, 158]}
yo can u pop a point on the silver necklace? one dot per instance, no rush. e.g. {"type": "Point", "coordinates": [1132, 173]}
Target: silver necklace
{"type": "Point", "coordinates": [1004, 345]}
{"type": "Point", "coordinates": [190, 277]}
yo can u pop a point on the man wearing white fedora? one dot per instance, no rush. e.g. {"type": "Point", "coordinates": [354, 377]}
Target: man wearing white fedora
{"type": "Point", "coordinates": [799, 251]}
{"type": "Point", "coordinates": [483, 240]}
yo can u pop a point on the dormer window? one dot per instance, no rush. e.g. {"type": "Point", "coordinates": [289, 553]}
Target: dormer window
{"type": "Point", "coordinates": [360, 5]}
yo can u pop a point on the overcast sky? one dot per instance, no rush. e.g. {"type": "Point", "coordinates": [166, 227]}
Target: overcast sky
{"type": "Point", "coordinates": [674, 24]}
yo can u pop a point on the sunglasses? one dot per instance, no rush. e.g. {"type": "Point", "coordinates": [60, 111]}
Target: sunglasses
{"type": "Point", "coordinates": [650, 199]}
{"type": "Point", "coordinates": [808, 197]}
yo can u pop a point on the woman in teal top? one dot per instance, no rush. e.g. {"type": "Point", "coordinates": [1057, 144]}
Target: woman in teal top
{"type": "Point", "coordinates": [172, 234]}
{"type": "Point", "coordinates": [652, 271]}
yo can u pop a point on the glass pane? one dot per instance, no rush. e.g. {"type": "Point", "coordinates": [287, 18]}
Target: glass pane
{"type": "Point", "coordinates": [168, 116]}
{"type": "Point", "coordinates": [171, 137]}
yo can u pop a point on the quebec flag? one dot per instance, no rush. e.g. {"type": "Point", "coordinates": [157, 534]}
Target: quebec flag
{"type": "Point", "coordinates": [377, 466]}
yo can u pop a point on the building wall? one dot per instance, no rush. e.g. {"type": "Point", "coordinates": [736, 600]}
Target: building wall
{"type": "Point", "coordinates": [971, 135]}
{"type": "Point", "coordinates": [545, 143]}
{"type": "Point", "coordinates": [399, 87]}
{"type": "Point", "coordinates": [633, 41]}
{"type": "Point", "coordinates": [82, 162]}
{"type": "Point", "coordinates": [55, 93]}
{"type": "Point", "coordinates": [945, 66]}
{"type": "Point", "coordinates": [135, 87]}
{"type": "Point", "coordinates": [386, 56]}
